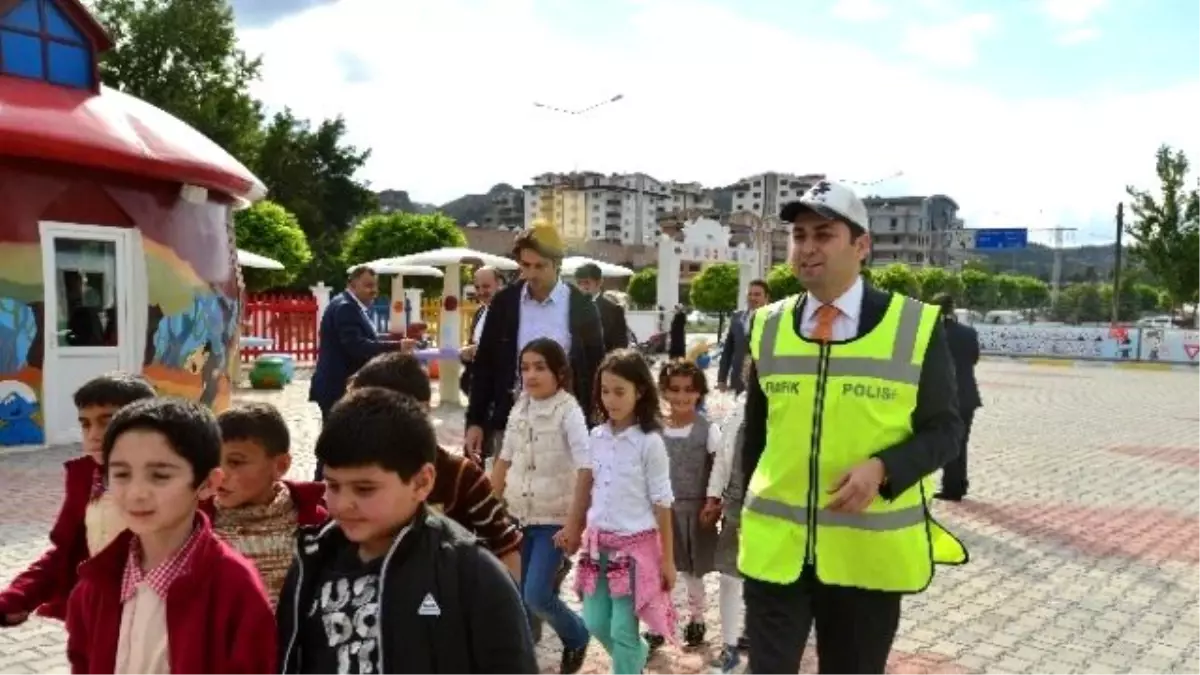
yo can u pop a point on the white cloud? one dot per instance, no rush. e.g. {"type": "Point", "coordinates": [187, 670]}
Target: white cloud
{"type": "Point", "coordinates": [949, 44]}
{"type": "Point", "coordinates": [1072, 12]}
{"type": "Point", "coordinates": [709, 96]}
{"type": "Point", "coordinates": [860, 10]}
{"type": "Point", "coordinates": [1077, 36]}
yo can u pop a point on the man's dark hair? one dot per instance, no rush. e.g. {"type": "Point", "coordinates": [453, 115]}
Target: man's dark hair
{"type": "Point", "coordinates": [527, 240]}
{"type": "Point", "coordinates": [589, 271]}
{"type": "Point", "coordinates": [258, 422]}
{"type": "Point", "coordinates": [401, 373]}
{"type": "Point", "coordinates": [946, 302]}
{"type": "Point", "coordinates": [359, 271]}
{"type": "Point", "coordinates": [376, 426]}
{"type": "Point", "coordinates": [763, 285]}
{"type": "Point", "coordinates": [190, 429]}
{"type": "Point", "coordinates": [115, 389]}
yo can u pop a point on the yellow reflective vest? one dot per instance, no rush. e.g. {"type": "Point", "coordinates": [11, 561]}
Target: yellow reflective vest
{"type": "Point", "coordinates": [830, 407]}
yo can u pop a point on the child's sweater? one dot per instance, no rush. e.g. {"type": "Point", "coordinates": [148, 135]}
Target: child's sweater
{"type": "Point", "coordinates": [267, 534]}
{"type": "Point", "coordinates": [547, 443]}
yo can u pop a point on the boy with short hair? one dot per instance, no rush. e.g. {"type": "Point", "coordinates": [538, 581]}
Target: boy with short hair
{"type": "Point", "coordinates": [462, 489]}
{"type": "Point", "coordinates": [88, 520]}
{"type": "Point", "coordinates": [390, 585]}
{"type": "Point", "coordinates": [254, 509]}
{"type": "Point", "coordinates": [167, 595]}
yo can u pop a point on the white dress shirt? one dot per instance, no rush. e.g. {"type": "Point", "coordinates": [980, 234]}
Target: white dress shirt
{"type": "Point", "coordinates": [845, 326]}
{"type": "Point", "coordinates": [547, 318]}
{"type": "Point", "coordinates": [477, 334]}
{"type": "Point", "coordinates": [631, 475]}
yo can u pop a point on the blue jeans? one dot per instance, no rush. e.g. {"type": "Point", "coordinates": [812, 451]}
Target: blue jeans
{"type": "Point", "coordinates": [539, 563]}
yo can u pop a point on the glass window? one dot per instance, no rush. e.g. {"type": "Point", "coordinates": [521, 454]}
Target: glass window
{"type": "Point", "coordinates": [85, 273]}
{"type": "Point", "coordinates": [39, 42]}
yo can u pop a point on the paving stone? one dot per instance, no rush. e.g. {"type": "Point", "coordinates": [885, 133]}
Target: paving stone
{"type": "Point", "coordinates": [1082, 526]}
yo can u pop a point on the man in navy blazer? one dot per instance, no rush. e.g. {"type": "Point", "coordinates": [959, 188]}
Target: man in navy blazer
{"type": "Point", "coordinates": [347, 340]}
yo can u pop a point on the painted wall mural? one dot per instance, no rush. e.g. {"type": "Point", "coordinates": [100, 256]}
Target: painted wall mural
{"type": "Point", "coordinates": [193, 290]}
{"type": "Point", "coordinates": [1090, 342]}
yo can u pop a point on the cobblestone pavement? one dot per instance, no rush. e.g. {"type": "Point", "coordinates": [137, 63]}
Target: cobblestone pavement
{"type": "Point", "coordinates": [1082, 527]}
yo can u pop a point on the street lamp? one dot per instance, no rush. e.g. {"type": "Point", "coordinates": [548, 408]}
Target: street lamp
{"type": "Point", "coordinates": [576, 112]}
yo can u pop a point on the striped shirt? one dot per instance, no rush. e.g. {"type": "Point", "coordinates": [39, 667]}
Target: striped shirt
{"type": "Point", "coordinates": [162, 576]}
{"type": "Point", "coordinates": [463, 492]}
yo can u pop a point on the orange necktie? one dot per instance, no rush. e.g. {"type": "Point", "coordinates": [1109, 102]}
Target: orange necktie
{"type": "Point", "coordinates": [826, 314]}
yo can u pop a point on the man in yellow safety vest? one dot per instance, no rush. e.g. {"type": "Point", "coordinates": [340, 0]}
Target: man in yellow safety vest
{"type": "Point", "coordinates": [851, 406]}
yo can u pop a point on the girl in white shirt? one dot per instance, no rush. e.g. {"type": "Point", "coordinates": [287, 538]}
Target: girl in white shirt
{"type": "Point", "coordinates": [627, 570]}
{"type": "Point", "coordinates": [545, 446]}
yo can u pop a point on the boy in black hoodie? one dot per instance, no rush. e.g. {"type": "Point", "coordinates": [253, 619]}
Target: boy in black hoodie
{"type": "Point", "coordinates": [388, 585]}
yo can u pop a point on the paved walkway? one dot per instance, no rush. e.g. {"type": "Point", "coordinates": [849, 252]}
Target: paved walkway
{"type": "Point", "coordinates": [1082, 526]}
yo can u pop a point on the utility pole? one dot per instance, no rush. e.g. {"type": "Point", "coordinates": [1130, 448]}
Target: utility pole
{"type": "Point", "coordinates": [1116, 293]}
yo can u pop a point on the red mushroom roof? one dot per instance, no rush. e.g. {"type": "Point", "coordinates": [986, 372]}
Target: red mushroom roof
{"type": "Point", "coordinates": [112, 130]}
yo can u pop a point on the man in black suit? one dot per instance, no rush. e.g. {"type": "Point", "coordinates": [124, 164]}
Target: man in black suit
{"type": "Point", "coordinates": [487, 282]}
{"type": "Point", "coordinates": [856, 624]}
{"type": "Point", "coordinates": [347, 340]}
{"type": "Point", "coordinates": [736, 347]}
{"type": "Point", "coordinates": [612, 316]}
{"type": "Point", "coordinates": [539, 305]}
{"type": "Point", "coordinates": [964, 349]}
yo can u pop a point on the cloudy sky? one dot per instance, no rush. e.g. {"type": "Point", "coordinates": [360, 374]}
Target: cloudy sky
{"type": "Point", "coordinates": [1030, 113]}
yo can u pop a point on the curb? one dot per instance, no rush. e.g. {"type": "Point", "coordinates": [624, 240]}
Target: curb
{"type": "Point", "coordinates": [1158, 366]}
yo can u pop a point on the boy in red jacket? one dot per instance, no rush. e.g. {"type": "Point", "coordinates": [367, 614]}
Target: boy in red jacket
{"type": "Point", "coordinates": [167, 595]}
{"type": "Point", "coordinates": [255, 510]}
{"type": "Point", "coordinates": [87, 521]}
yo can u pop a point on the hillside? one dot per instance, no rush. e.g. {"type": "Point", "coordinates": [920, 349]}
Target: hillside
{"type": "Point", "coordinates": [473, 208]}
{"type": "Point", "coordinates": [398, 200]}
{"type": "Point", "coordinates": [1079, 264]}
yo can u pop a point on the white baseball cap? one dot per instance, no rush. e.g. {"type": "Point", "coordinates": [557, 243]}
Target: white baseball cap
{"type": "Point", "coordinates": [831, 200]}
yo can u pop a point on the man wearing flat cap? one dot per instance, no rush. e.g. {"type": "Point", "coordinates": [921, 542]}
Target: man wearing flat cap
{"type": "Point", "coordinates": [851, 406]}
{"type": "Point", "coordinates": [540, 304]}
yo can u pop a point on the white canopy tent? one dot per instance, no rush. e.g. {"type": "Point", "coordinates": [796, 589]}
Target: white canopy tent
{"type": "Point", "coordinates": [572, 263]}
{"type": "Point", "coordinates": [261, 262]}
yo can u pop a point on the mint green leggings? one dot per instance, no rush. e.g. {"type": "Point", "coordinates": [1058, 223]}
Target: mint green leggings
{"type": "Point", "coordinates": [613, 622]}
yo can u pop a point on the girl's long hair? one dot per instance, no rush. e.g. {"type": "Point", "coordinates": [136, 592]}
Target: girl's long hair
{"type": "Point", "coordinates": [556, 359]}
{"type": "Point", "coordinates": [628, 364]}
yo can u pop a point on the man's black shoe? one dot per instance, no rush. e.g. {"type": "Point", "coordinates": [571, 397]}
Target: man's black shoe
{"type": "Point", "coordinates": [572, 660]}
{"type": "Point", "coordinates": [949, 496]}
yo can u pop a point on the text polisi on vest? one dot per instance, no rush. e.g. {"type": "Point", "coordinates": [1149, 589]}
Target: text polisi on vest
{"type": "Point", "coordinates": [871, 391]}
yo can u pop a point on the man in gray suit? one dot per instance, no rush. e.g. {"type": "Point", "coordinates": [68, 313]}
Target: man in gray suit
{"type": "Point", "coordinates": [737, 340]}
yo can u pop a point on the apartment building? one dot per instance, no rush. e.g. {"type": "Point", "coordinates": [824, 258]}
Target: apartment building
{"type": "Point", "coordinates": [912, 229]}
{"type": "Point", "coordinates": [506, 210]}
{"type": "Point", "coordinates": [587, 206]}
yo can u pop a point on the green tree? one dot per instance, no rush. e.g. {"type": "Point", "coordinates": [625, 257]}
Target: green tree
{"type": "Point", "coordinates": [1008, 291]}
{"type": "Point", "coordinates": [268, 229]}
{"type": "Point", "coordinates": [311, 172]}
{"type": "Point", "coordinates": [935, 280]}
{"type": "Point", "coordinates": [643, 288]}
{"type": "Point", "coordinates": [1166, 229]}
{"type": "Point", "coordinates": [783, 282]}
{"type": "Point", "coordinates": [1033, 293]}
{"type": "Point", "coordinates": [183, 56]}
{"type": "Point", "coordinates": [868, 275]}
{"type": "Point", "coordinates": [979, 290]}
{"type": "Point", "coordinates": [1080, 303]}
{"type": "Point", "coordinates": [1148, 297]}
{"type": "Point", "coordinates": [1127, 307]}
{"type": "Point", "coordinates": [390, 235]}
{"type": "Point", "coordinates": [898, 278]}
{"type": "Point", "coordinates": [715, 288]}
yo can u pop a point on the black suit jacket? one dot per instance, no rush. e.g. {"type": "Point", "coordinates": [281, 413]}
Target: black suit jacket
{"type": "Point", "coordinates": [346, 342]}
{"type": "Point", "coordinates": [495, 370]}
{"type": "Point", "coordinates": [964, 349]}
{"type": "Point", "coordinates": [937, 427]}
{"type": "Point", "coordinates": [464, 382]}
{"type": "Point", "coordinates": [612, 319]}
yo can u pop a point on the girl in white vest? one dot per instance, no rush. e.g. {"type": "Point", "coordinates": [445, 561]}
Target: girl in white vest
{"type": "Point", "coordinates": [544, 473]}
{"type": "Point", "coordinates": [692, 444]}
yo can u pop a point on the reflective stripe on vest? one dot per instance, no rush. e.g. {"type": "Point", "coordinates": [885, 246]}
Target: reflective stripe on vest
{"type": "Point", "coordinates": [849, 400]}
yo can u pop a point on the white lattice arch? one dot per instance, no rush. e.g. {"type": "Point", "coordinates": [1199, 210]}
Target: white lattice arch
{"type": "Point", "coordinates": [704, 240]}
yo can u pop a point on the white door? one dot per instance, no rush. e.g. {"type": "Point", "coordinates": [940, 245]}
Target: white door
{"type": "Point", "coordinates": [88, 280]}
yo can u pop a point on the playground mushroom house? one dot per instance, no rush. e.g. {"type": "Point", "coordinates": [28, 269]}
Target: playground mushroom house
{"type": "Point", "coordinates": [116, 235]}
